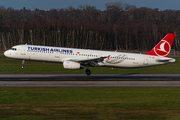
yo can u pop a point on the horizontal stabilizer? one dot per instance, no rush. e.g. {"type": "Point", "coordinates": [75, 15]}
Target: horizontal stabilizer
{"type": "Point", "coordinates": [167, 60]}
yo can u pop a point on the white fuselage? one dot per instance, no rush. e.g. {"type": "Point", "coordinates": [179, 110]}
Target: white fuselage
{"type": "Point", "coordinates": [61, 54]}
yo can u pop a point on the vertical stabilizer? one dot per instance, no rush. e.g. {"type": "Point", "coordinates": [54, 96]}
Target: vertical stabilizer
{"type": "Point", "coordinates": [163, 48]}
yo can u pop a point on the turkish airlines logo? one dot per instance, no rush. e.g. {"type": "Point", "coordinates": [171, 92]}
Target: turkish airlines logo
{"type": "Point", "coordinates": [163, 48]}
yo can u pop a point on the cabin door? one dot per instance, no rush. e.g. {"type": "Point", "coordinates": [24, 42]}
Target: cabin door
{"type": "Point", "coordinates": [57, 54]}
{"type": "Point", "coordinates": [23, 50]}
{"type": "Point", "coordinates": [145, 62]}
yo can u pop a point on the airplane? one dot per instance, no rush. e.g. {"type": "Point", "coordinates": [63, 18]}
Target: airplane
{"type": "Point", "coordinates": [73, 58]}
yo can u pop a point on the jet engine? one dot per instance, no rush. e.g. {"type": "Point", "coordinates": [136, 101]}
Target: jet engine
{"type": "Point", "coordinates": [72, 65]}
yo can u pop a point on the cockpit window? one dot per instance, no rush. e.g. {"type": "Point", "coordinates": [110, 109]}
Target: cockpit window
{"type": "Point", "coordinates": [13, 49]}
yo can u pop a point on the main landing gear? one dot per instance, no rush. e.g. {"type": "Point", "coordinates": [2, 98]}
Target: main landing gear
{"type": "Point", "coordinates": [88, 72]}
{"type": "Point", "coordinates": [23, 64]}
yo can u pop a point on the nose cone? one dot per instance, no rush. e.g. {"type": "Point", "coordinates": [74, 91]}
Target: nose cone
{"type": "Point", "coordinates": [7, 53]}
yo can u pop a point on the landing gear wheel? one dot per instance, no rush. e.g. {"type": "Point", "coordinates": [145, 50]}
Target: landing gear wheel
{"type": "Point", "coordinates": [88, 72]}
{"type": "Point", "coordinates": [22, 67]}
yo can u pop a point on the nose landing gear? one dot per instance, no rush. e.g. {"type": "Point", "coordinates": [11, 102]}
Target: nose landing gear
{"type": "Point", "coordinates": [22, 64]}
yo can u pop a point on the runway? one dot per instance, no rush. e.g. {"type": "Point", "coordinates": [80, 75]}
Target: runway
{"type": "Point", "coordinates": [94, 80]}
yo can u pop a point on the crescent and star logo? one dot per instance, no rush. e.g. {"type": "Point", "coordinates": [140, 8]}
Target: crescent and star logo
{"type": "Point", "coordinates": [163, 48]}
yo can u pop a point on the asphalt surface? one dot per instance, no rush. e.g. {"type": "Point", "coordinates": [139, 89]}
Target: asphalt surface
{"type": "Point", "coordinates": [94, 80]}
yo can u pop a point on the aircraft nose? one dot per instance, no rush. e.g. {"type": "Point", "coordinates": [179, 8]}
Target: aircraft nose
{"type": "Point", "coordinates": [6, 53]}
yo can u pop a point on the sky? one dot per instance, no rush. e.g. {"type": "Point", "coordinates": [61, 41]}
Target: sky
{"type": "Point", "coordinates": [99, 4]}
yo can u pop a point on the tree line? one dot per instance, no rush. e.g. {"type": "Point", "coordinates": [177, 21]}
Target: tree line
{"type": "Point", "coordinates": [119, 27]}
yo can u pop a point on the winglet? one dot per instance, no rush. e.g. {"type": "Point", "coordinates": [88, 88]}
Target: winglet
{"type": "Point", "coordinates": [163, 47]}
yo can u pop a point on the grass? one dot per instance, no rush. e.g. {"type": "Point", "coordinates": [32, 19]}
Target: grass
{"type": "Point", "coordinates": [8, 65]}
{"type": "Point", "coordinates": [90, 103]}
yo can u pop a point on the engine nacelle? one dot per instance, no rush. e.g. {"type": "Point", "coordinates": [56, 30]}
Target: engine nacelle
{"type": "Point", "coordinates": [71, 65]}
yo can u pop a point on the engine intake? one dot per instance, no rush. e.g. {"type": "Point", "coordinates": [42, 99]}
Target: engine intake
{"type": "Point", "coordinates": [71, 65]}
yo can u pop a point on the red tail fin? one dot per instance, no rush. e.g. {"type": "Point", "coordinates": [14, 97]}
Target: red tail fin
{"type": "Point", "coordinates": [163, 47]}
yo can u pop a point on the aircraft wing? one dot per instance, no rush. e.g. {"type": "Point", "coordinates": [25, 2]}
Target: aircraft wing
{"type": "Point", "coordinates": [90, 61]}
